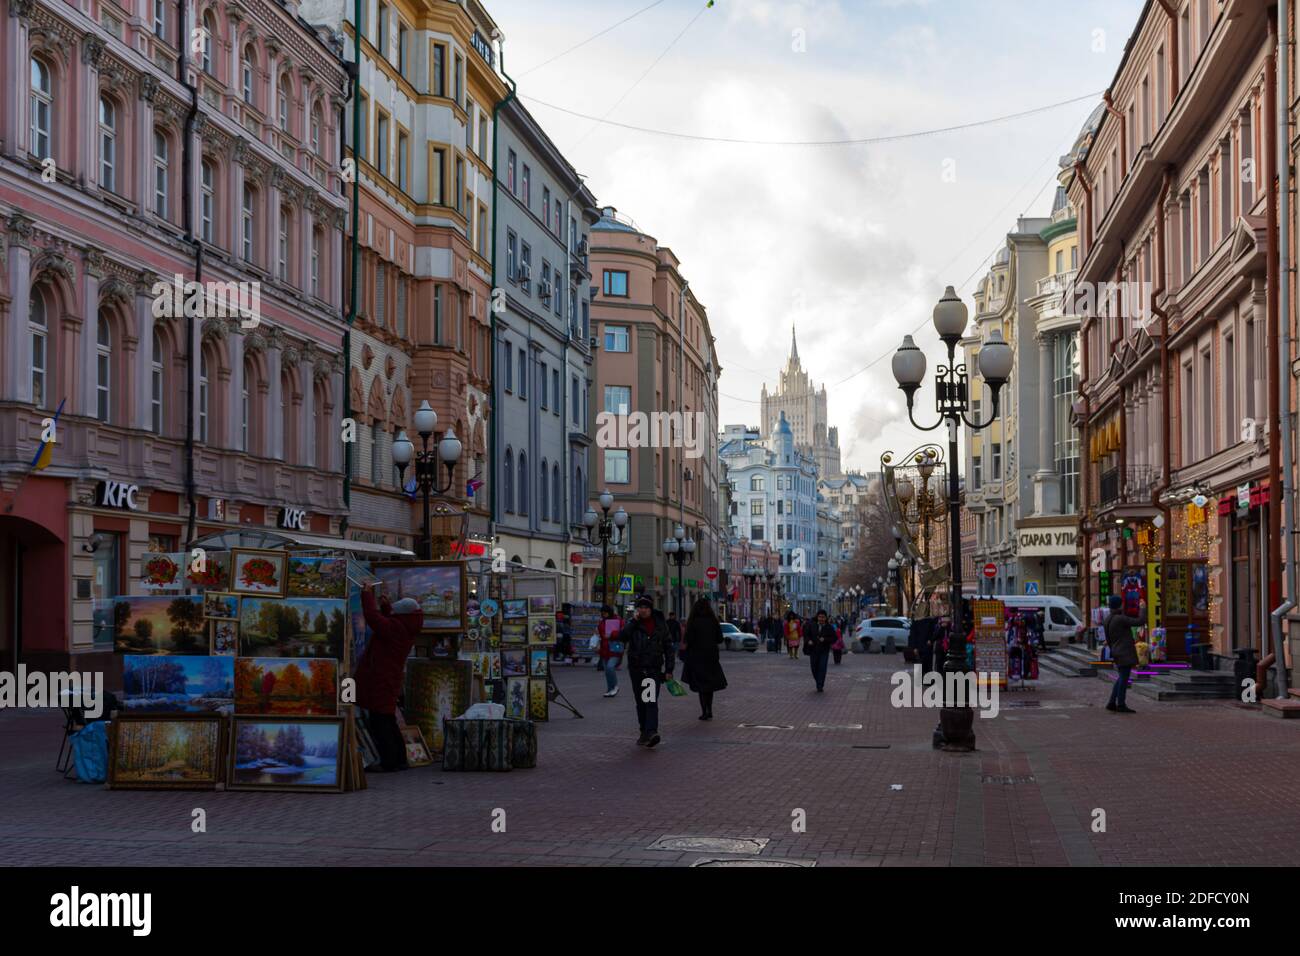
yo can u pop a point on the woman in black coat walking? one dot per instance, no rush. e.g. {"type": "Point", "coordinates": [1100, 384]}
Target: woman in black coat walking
{"type": "Point", "coordinates": [703, 670]}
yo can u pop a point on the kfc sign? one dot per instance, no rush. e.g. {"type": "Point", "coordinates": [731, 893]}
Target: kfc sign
{"type": "Point", "coordinates": [293, 519]}
{"type": "Point", "coordinates": [116, 494]}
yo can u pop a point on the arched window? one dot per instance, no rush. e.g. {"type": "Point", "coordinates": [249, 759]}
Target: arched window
{"type": "Point", "coordinates": [315, 128]}
{"type": "Point", "coordinates": [246, 225]}
{"type": "Point", "coordinates": [39, 327]}
{"type": "Point", "coordinates": [246, 74]}
{"type": "Point", "coordinates": [523, 483]}
{"type": "Point", "coordinates": [203, 395]}
{"type": "Point", "coordinates": [508, 485]}
{"type": "Point", "coordinates": [156, 385]}
{"type": "Point", "coordinates": [282, 258]}
{"type": "Point", "coordinates": [555, 490]}
{"type": "Point", "coordinates": [209, 200]}
{"type": "Point", "coordinates": [317, 240]}
{"type": "Point", "coordinates": [543, 497]}
{"type": "Point", "coordinates": [107, 144]}
{"type": "Point", "coordinates": [209, 37]}
{"type": "Point", "coordinates": [42, 106]}
{"type": "Point", "coordinates": [103, 369]}
{"type": "Point", "coordinates": [160, 163]}
{"type": "Point", "coordinates": [286, 93]}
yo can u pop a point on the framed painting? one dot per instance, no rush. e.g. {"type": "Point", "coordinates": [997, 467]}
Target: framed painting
{"type": "Point", "coordinates": [366, 745]}
{"type": "Point", "coordinates": [512, 609]}
{"type": "Point", "coordinates": [438, 586]}
{"type": "Point", "coordinates": [517, 698]}
{"type": "Point", "coordinates": [274, 686]}
{"type": "Point", "coordinates": [514, 663]}
{"type": "Point", "coordinates": [158, 684]}
{"type": "Point", "coordinates": [539, 661]}
{"type": "Point", "coordinates": [166, 752]}
{"type": "Point", "coordinates": [221, 605]}
{"type": "Point", "coordinates": [538, 702]}
{"type": "Point", "coordinates": [514, 632]}
{"type": "Point", "coordinates": [162, 572]}
{"type": "Point", "coordinates": [321, 577]}
{"type": "Point", "coordinates": [223, 637]}
{"type": "Point", "coordinates": [437, 689]}
{"type": "Point", "coordinates": [286, 753]}
{"type": "Point", "coordinates": [292, 627]}
{"type": "Point", "coordinates": [159, 624]}
{"type": "Point", "coordinates": [541, 629]}
{"type": "Point", "coordinates": [259, 572]}
{"type": "Point", "coordinates": [541, 604]}
{"type": "Point", "coordinates": [417, 753]}
{"type": "Point", "coordinates": [212, 571]}
{"type": "Point", "coordinates": [360, 630]}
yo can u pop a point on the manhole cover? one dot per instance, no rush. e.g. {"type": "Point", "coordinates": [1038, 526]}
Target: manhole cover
{"type": "Point", "coordinates": [692, 844]}
{"type": "Point", "coordinates": [835, 726]}
{"type": "Point", "coordinates": [768, 726]}
{"type": "Point", "coordinates": [804, 863]}
{"type": "Point", "coordinates": [1006, 781]}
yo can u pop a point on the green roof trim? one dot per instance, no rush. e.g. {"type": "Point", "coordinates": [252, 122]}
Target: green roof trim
{"type": "Point", "coordinates": [1058, 229]}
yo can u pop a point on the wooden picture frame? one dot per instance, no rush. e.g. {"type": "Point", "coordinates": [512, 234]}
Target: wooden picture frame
{"type": "Point", "coordinates": [237, 778]}
{"type": "Point", "coordinates": [213, 724]}
{"type": "Point", "coordinates": [539, 662]}
{"type": "Point", "coordinates": [219, 631]}
{"type": "Point", "coordinates": [539, 698]}
{"type": "Point", "coordinates": [217, 605]}
{"type": "Point", "coordinates": [257, 695]}
{"type": "Point", "coordinates": [417, 751]}
{"type": "Point", "coordinates": [240, 558]}
{"type": "Point", "coordinates": [447, 585]}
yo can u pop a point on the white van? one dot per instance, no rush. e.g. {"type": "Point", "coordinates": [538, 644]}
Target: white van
{"type": "Point", "coordinates": [1062, 618]}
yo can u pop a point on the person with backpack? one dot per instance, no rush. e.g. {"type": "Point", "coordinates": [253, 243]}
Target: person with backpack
{"type": "Point", "coordinates": [610, 654]}
{"type": "Point", "coordinates": [818, 638]}
{"type": "Point", "coordinates": [703, 668]}
{"type": "Point", "coordinates": [650, 652]}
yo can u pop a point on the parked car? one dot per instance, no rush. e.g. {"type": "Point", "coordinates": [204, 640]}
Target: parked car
{"type": "Point", "coordinates": [733, 638]}
{"type": "Point", "coordinates": [879, 628]}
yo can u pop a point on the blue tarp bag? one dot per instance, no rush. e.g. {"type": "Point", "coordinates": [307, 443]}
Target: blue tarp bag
{"type": "Point", "coordinates": [90, 752]}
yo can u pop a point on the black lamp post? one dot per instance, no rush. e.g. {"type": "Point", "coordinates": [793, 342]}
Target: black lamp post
{"type": "Point", "coordinates": [426, 465]}
{"type": "Point", "coordinates": [680, 551]}
{"type": "Point", "coordinates": [952, 401]}
{"type": "Point", "coordinates": [605, 528]}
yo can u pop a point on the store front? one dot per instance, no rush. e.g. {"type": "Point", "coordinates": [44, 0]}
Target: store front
{"type": "Point", "coordinates": [1243, 527]}
{"type": "Point", "coordinates": [1047, 550]}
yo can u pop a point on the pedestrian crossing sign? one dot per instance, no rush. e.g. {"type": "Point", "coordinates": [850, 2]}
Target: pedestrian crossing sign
{"type": "Point", "coordinates": [1031, 587]}
{"type": "Point", "coordinates": [625, 585]}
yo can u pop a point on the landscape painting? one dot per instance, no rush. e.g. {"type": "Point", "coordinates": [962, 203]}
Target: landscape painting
{"type": "Point", "coordinates": [181, 752]}
{"type": "Point", "coordinates": [541, 604]}
{"type": "Point", "coordinates": [318, 577]}
{"type": "Point", "coordinates": [514, 608]}
{"type": "Point", "coordinates": [159, 624]}
{"type": "Point", "coordinates": [514, 663]}
{"type": "Point", "coordinates": [175, 684]}
{"type": "Point", "coordinates": [538, 661]}
{"type": "Point", "coordinates": [436, 690]}
{"type": "Point", "coordinates": [290, 754]}
{"type": "Point", "coordinates": [258, 572]}
{"type": "Point", "coordinates": [517, 698]}
{"type": "Point", "coordinates": [276, 685]}
{"type": "Point", "coordinates": [221, 604]}
{"type": "Point", "coordinates": [292, 627]}
{"type": "Point", "coordinates": [438, 586]}
{"type": "Point", "coordinates": [224, 637]}
{"type": "Point", "coordinates": [514, 632]}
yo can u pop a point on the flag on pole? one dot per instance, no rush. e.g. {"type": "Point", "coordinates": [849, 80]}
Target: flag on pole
{"type": "Point", "coordinates": [472, 486]}
{"type": "Point", "coordinates": [46, 451]}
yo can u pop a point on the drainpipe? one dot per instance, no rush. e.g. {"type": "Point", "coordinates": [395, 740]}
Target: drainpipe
{"type": "Point", "coordinates": [1085, 419]}
{"type": "Point", "coordinates": [1278, 373]}
{"type": "Point", "coordinates": [187, 212]}
{"type": "Point", "coordinates": [354, 78]}
{"type": "Point", "coordinates": [1283, 506]}
{"type": "Point", "coordinates": [496, 188]}
{"type": "Point", "coordinates": [1156, 293]}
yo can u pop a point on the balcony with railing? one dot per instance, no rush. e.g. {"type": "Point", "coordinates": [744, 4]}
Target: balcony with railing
{"type": "Point", "coordinates": [1108, 488]}
{"type": "Point", "coordinates": [1056, 284]}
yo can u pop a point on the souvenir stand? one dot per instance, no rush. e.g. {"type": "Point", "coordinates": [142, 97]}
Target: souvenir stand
{"type": "Point", "coordinates": [990, 641]}
{"type": "Point", "coordinates": [238, 662]}
{"type": "Point", "coordinates": [1022, 653]}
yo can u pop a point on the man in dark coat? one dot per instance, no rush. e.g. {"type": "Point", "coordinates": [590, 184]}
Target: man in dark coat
{"type": "Point", "coordinates": [1123, 652]}
{"type": "Point", "coordinates": [379, 672]}
{"type": "Point", "coordinates": [650, 650]}
{"type": "Point", "coordinates": [920, 641]}
{"type": "Point", "coordinates": [818, 638]}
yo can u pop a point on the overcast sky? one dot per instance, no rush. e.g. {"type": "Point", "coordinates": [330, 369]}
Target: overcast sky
{"type": "Point", "coordinates": [852, 244]}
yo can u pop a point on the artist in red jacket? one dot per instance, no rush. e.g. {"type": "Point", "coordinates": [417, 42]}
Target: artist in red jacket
{"type": "Point", "coordinates": [379, 672]}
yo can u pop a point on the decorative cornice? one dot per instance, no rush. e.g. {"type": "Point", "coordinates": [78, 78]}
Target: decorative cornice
{"type": "Point", "coordinates": [290, 356]}
{"type": "Point", "coordinates": [21, 8]}
{"type": "Point", "coordinates": [54, 261]}
{"type": "Point", "coordinates": [19, 229]}
{"type": "Point", "coordinates": [96, 264]}
{"type": "Point", "coordinates": [116, 290]}
{"type": "Point", "coordinates": [92, 50]}
{"type": "Point", "coordinates": [214, 328]}
{"type": "Point", "coordinates": [148, 87]}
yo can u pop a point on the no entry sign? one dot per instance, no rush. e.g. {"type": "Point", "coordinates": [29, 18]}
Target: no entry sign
{"type": "Point", "coordinates": [711, 573]}
{"type": "Point", "coordinates": [990, 570]}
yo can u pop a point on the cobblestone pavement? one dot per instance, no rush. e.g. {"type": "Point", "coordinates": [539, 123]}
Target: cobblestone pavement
{"type": "Point", "coordinates": [1180, 783]}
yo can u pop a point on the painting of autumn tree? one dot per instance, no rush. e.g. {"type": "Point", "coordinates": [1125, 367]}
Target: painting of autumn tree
{"type": "Point", "coordinates": [165, 752]}
{"type": "Point", "coordinates": [273, 685]}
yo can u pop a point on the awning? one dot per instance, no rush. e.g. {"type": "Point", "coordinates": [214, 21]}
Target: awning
{"type": "Point", "coordinates": [279, 537]}
{"type": "Point", "coordinates": [345, 544]}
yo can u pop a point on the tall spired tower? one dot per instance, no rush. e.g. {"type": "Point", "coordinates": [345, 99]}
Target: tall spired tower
{"type": "Point", "coordinates": [805, 409]}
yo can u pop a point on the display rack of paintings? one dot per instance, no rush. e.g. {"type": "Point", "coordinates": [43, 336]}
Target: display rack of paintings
{"type": "Point", "coordinates": [438, 586]}
{"type": "Point", "coordinates": [437, 689]}
{"type": "Point", "coordinates": [166, 752]}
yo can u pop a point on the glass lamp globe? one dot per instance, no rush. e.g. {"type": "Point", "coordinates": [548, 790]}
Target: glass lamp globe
{"type": "Point", "coordinates": [995, 359]}
{"type": "Point", "coordinates": [606, 500]}
{"type": "Point", "coordinates": [402, 449]}
{"type": "Point", "coordinates": [908, 364]}
{"type": "Point", "coordinates": [426, 419]}
{"type": "Point", "coordinates": [449, 448]}
{"type": "Point", "coordinates": [906, 490]}
{"type": "Point", "coordinates": [590, 519]}
{"type": "Point", "coordinates": [950, 315]}
{"type": "Point", "coordinates": [620, 517]}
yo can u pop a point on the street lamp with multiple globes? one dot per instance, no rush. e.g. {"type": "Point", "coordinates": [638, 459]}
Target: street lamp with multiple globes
{"type": "Point", "coordinates": [426, 465]}
{"type": "Point", "coordinates": [605, 529]}
{"type": "Point", "coordinates": [952, 401]}
{"type": "Point", "coordinates": [680, 551]}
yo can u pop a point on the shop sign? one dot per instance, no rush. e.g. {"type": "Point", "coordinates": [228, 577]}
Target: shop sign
{"type": "Point", "coordinates": [1067, 570]}
{"type": "Point", "coordinates": [293, 519]}
{"type": "Point", "coordinates": [1154, 591]}
{"type": "Point", "coordinates": [1243, 497]}
{"type": "Point", "coordinates": [216, 509]}
{"type": "Point", "coordinates": [1044, 542]}
{"type": "Point", "coordinates": [116, 494]}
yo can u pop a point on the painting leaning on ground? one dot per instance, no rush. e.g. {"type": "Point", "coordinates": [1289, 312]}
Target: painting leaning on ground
{"type": "Point", "coordinates": [298, 754]}
{"type": "Point", "coordinates": [166, 752]}
{"type": "Point", "coordinates": [177, 684]}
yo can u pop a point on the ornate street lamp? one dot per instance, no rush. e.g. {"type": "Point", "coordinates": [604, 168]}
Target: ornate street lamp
{"type": "Point", "coordinates": [605, 528]}
{"type": "Point", "coordinates": [680, 551]}
{"type": "Point", "coordinates": [952, 401]}
{"type": "Point", "coordinates": [426, 465]}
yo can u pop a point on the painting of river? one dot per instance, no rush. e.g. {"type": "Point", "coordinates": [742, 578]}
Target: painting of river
{"type": "Point", "coordinates": [292, 627]}
{"type": "Point", "coordinates": [161, 684]}
{"type": "Point", "coordinates": [290, 754]}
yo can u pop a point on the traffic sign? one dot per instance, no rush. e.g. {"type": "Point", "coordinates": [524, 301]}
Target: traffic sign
{"type": "Point", "coordinates": [711, 573]}
{"type": "Point", "coordinates": [625, 585]}
{"type": "Point", "coordinates": [990, 570]}
{"type": "Point", "coordinates": [1031, 587]}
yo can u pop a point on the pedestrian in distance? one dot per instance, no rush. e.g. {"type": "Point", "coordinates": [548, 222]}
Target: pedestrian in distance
{"type": "Point", "coordinates": [702, 670]}
{"type": "Point", "coordinates": [792, 634]}
{"type": "Point", "coordinates": [1123, 652]}
{"type": "Point", "coordinates": [818, 638]}
{"type": "Point", "coordinates": [837, 649]}
{"type": "Point", "coordinates": [675, 630]}
{"type": "Point", "coordinates": [650, 659]}
{"type": "Point", "coordinates": [611, 648]}
{"type": "Point", "coordinates": [394, 629]}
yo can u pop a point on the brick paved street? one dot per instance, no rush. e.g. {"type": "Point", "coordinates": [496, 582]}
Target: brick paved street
{"type": "Point", "coordinates": [1181, 783]}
